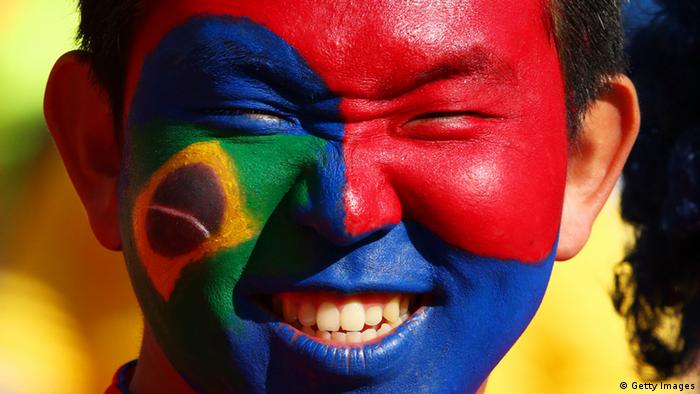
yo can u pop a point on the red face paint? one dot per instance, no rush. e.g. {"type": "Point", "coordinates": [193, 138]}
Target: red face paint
{"type": "Point", "coordinates": [468, 136]}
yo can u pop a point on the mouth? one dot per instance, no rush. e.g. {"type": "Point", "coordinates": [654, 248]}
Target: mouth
{"type": "Point", "coordinates": [337, 320]}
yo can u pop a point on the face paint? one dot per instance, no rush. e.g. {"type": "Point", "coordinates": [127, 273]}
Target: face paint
{"type": "Point", "coordinates": [191, 208]}
{"type": "Point", "coordinates": [342, 157]}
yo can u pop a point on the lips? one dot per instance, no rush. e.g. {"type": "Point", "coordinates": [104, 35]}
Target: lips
{"type": "Point", "coordinates": [340, 334]}
{"type": "Point", "coordinates": [363, 359]}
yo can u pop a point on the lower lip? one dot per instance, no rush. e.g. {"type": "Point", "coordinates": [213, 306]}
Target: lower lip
{"type": "Point", "coordinates": [378, 357]}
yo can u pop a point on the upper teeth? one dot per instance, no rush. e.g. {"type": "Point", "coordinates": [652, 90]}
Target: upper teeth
{"type": "Point", "coordinates": [355, 319]}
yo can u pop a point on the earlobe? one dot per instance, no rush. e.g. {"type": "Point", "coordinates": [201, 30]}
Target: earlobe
{"type": "Point", "coordinates": [608, 132]}
{"type": "Point", "coordinates": [79, 116]}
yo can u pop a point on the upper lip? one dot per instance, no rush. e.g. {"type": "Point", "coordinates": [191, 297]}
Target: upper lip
{"type": "Point", "coordinates": [344, 277]}
{"type": "Point", "coordinates": [390, 263]}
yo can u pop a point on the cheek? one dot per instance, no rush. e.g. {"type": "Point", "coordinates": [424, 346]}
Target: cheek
{"type": "Point", "coordinates": [493, 197]}
{"type": "Point", "coordinates": [190, 208]}
{"type": "Point", "coordinates": [488, 200]}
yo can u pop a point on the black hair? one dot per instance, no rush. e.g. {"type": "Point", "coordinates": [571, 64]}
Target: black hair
{"type": "Point", "coordinates": [588, 35]}
{"type": "Point", "coordinates": [590, 41]}
{"type": "Point", "coordinates": [657, 287]}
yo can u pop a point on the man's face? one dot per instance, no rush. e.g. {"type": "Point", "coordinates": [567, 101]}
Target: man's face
{"type": "Point", "coordinates": [348, 196]}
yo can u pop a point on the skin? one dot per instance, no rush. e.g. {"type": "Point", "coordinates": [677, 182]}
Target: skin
{"type": "Point", "coordinates": [438, 167]}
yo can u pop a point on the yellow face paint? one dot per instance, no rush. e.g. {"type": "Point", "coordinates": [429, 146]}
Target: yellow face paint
{"type": "Point", "coordinates": [237, 225]}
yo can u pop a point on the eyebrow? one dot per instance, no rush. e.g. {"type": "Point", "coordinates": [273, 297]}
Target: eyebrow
{"type": "Point", "coordinates": [294, 80]}
{"type": "Point", "coordinates": [475, 61]}
{"type": "Point", "coordinates": [290, 77]}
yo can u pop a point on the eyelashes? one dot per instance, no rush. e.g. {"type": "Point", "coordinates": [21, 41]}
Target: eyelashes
{"type": "Point", "coordinates": [430, 126]}
{"type": "Point", "coordinates": [448, 115]}
{"type": "Point", "coordinates": [245, 121]}
{"type": "Point", "coordinates": [259, 115]}
{"type": "Point", "coordinates": [446, 126]}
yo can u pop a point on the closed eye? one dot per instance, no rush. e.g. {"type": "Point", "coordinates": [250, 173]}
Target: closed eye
{"type": "Point", "coordinates": [443, 117]}
{"type": "Point", "coordinates": [243, 121]}
{"type": "Point", "coordinates": [251, 114]}
{"type": "Point", "coordinates": [444, 125]}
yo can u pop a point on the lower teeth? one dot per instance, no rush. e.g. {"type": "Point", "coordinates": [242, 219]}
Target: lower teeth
{"type": "Point", "coordinates": [348, 336]}
{"type": "Point", "coordinates": [368, 334]}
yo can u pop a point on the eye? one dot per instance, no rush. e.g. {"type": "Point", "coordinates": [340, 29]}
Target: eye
{"type": "Point", "coordinates": [250, 114]}
{"type": "Point", "coordinates": [438, 117]}
{"type": "Point", "coordinates": [263, 117]}
{"type": "Point", "coordinates": [247, 121]}
{"type": "Point", "coordinates": [443, 126]}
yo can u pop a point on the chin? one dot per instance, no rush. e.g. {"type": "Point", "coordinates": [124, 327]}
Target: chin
{"type": "Point", "coordinates": [438, 322]}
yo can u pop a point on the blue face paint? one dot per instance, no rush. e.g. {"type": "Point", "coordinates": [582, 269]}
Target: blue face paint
{"type": "Point", "coordinates": [478, 308]}
{"type": "Point", "coordinates": [235, 83]}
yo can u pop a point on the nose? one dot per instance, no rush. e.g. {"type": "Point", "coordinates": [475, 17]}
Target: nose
{"type": "Point", "coordinates": [345, 207]}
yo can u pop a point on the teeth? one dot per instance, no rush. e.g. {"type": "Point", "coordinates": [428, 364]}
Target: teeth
{"type": "Point", "coordinates": [342, 320]}
{"type": "Point", "coordinates": [289, 311]}
{"type": "Point", "coordinates": [403, 309]}
{"type": "Point", "coordinates": [352, 317]}
{"type": "Point", "coordinates": [391, 310]}
{"type": "Point", "coordinates": [369, 334]}
{"type": "Point", "coordinates": [307, 314]}
{"type": "Point", "coordinates": [373, 315]}
{"type": "Point", "coordinates": [337, 336]}
{"type": "Point", "coordinates": [399, 321]}
{"type": "Point", "coordinates": [354, 337]}
{"type": "Point", "coordinates": [328, 317]}
{"type": "Point", "coordinates": [384, 329]}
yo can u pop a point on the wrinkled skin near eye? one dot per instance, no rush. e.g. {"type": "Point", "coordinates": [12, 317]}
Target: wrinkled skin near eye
{"type": "Point", "coordinates": [356, 196]}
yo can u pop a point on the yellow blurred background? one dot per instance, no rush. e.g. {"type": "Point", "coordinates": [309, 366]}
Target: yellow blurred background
{"type": "Point", "coordinates": [68, 317]}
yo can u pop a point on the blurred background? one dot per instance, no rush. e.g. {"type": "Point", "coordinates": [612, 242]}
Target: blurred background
{"type": "Point", "coordinates": [68, 318]}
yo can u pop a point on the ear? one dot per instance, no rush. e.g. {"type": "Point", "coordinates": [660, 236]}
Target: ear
{"type": "Point", "coordinates": [79, 116]}
{"type": "Point", "coordinates": [609, 129]}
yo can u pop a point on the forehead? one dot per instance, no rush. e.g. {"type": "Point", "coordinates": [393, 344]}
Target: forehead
{"type": "Point", "coordinates": [371, 48]}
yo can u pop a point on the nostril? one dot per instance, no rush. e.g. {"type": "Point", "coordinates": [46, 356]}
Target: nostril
{"type": "Point", "coordinates": [345, 225]}
{"type": "Point", "coordinates": [366, 237]}
{"type": "Point", "coordinates": [327, 225]}
{"type": "Point", "coordinates": [335, 232]}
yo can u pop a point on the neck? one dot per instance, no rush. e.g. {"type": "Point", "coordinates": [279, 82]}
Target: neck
{"type": "Point", "coordinates": [154, 373]}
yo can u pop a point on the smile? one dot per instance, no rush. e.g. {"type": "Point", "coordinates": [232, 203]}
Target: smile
{"type": "Point", "coordinates": [340, 320]}
{"type": "Point", "coordinates": [358, 335]}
